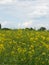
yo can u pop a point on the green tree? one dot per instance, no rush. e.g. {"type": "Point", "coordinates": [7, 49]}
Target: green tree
{"type": "Point", "coordinates": [0, 26]}
{"type": "Point", "coordinates": [42, 29]}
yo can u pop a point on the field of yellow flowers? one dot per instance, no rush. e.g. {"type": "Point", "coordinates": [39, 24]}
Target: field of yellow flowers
{"type": "Point", "coordinates": [24, 47]}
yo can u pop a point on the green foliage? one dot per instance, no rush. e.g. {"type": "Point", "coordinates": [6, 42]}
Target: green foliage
{"type": "Point", "coordinates": [42, 29]}
{"type": "Point", "coordinates": [24, 47]}
{"type": "Point", "coordinates": [0, 26]}
{"type": "Point", "coordinates": [30, 29]}
{"type": "Point", "coordinates": [6, 29]}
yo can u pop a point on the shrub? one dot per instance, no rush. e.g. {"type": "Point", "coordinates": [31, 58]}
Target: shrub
{"type": "Point", "coordinates": [6, 29]}
{"type": "Point", "coordinates": [42, 29]}
{"type": "Point", "coordinates": [0, 26]}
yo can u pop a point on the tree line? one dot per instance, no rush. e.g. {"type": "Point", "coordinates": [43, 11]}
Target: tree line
{"type": "Point", "coordinates": [40, 29]}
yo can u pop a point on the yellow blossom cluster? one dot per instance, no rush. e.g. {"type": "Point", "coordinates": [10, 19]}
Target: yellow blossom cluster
{"type": "Point", "coordinates": [24, 47]}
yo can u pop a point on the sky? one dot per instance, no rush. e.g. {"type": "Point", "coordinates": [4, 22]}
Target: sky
{"type": "Point", "coordinates": [24, 13]}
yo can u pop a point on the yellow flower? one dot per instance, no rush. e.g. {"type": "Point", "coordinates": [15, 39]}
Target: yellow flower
{"type": "Point", "coordinates": [19, 49]}
{"type": "Point", "coordinates": [36, 38]}
{"type": "Point", "coordinates": [47, 46]}
{"type": "Point", "coordinates": [31, 39]}
{"type": "Point", "coordinates": [1, 48]}
{"type": "Point", "coordinates": [43, 37]}
{"type": "Point", "coordinates": [43, 53]}
{"type": "Point", "coordinates": [32, 46]}
{"type": "Point", "coordinates": [47, 38]}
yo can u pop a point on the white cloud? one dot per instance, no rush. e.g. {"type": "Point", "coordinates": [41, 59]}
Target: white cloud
{"type": "Point", "coordinates": [6, 1]}
{"type": "Point", "coordinates": [4, 23]}
{"type": "Point", "coordinates": [40, 8]}
{"type": "Point", "coordinates": [38, 12]}
{"type": "Point", "coordinates": [42, 25]}
{"type": "Point", "coordinates": [16, 25]}
{"type": "Point", "coordinates": [33, 9]}
{"type": "Point", "coordinates": [27, 8]}
{"type": "Point", "coordinates": [25, 11]}
{"type": "Point", "coordinates": [25, 24]}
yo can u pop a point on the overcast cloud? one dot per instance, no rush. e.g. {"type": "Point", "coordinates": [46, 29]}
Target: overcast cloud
{"type": "Point", "coordinates": [24, 13]}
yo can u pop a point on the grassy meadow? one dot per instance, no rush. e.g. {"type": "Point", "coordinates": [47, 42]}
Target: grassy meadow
{"type": "Point", "coordinates": [24, 47]}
